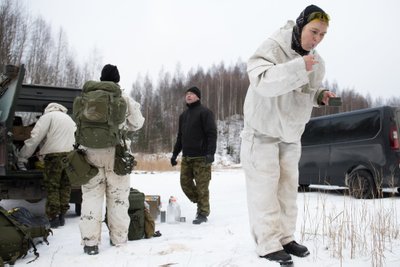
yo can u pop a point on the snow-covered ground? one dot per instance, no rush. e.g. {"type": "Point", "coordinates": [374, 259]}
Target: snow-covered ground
{"type": "Point", "coordinates": [225, 239]}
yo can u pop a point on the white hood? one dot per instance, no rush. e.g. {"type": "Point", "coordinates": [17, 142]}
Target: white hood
{"type": "Point", "coordinates": [55, 107]}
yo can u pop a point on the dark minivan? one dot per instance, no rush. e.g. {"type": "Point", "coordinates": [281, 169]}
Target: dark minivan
{"type": "Point", "coordinates": [359, 149]}
{"type": "Point", "coordinates": [20, 106]}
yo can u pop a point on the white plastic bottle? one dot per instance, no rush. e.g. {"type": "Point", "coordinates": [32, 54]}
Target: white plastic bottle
{"type": "Point", "coordinates": [173, 211]}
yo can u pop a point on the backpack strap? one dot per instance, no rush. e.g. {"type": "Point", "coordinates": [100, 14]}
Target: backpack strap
{"type": "Point", "coordinates": [34, 250]}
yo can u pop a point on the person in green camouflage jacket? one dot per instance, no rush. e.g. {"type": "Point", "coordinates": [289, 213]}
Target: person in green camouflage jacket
{"type": "Point", "coordinates": [197, 139]}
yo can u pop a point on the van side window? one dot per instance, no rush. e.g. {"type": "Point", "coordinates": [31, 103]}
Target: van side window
{"type": "Point", "coordinates": [316, 133]}
{"type": "Point", "coordinates": [342, 129]}
{"type": "Point", "coordinates": [354, 128]}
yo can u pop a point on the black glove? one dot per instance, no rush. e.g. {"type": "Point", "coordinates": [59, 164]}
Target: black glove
{"type": "Point", "coordinates": [173, 161]}
{"type": "Point", "coordinates": [210, 158]}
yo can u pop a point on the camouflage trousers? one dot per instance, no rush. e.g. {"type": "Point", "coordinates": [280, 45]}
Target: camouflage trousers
{"type": "Point", "coordinates": [115, 189]}
{"type": "Point", "coordinates": [195, 179]}
{"type": "Point", "coordinates": [57, 185]}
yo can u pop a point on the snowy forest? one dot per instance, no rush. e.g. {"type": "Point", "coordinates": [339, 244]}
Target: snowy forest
{"type": "Point", "coordinates": [49, 60]}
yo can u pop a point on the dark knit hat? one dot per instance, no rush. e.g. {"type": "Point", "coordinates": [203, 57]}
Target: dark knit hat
{"type": "Point", "coordinates": [110, 73]}
{"type": "Point", "coordinates": [308, 15]}
{"type": "Point", "coordinates": [195, 91]}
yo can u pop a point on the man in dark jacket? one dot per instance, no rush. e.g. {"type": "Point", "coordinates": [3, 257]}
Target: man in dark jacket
{"type": "Point", "coordinates": [197, 138]}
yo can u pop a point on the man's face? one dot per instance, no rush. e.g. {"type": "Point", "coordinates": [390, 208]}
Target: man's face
{"type": "Point", "coordinates": [312, 34]}
{"type": "Point", "coordinates": [190, 98]}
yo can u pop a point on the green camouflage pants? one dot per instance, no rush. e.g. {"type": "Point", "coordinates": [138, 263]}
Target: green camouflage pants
{"type": "Point", "coordinates": [195, 179]}
{"type": "Point", "coordinates": [57, 185]}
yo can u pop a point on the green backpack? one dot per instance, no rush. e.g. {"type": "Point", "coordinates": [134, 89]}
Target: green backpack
{"type": "Point", "coordinates": [19, 228]}
{"type": "Point", "coordinates": [98, 112]}
{"type": "Point", "coordinates": [141, 223]}
{"type": "Point", "coordinates": [136, 213]}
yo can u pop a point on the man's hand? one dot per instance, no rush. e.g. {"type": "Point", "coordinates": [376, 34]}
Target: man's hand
{"type": "Point", "coordinates": [209, 158]}
{"type": "Point", "coordinates": [173, 161]}
{"type": "Point", "coordinates": [327, 95]}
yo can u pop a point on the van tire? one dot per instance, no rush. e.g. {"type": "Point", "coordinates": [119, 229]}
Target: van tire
{"type": "Point", "coordinates": [362, 184]}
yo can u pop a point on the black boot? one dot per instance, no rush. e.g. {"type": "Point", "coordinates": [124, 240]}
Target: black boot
{"type": "Point", "coordinates": [61, 218]}
{"type": "Point", "coordinates": [200, 219]}
{"type": "Point", "coordinates": [55, 222]}
{"type": "Point", "coordinates": [296, 249]}
{"type": "Point", "coordinates": [279, 256]}
{"type": "Point", "coordinates": [91, 250]}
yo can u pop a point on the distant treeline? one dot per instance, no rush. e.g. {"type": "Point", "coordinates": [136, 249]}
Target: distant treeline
{"type": "Point", "coordinates": [223, 91]}
{"type": "Point", "coordinates": [50, 61]}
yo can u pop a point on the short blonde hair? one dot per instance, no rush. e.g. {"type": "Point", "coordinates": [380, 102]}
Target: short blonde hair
{"type": "Point", "coordinates": [319, 16]}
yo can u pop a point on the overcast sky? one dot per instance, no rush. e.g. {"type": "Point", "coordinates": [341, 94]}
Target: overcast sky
{"type": "Point", "coordinates": [361, 49]}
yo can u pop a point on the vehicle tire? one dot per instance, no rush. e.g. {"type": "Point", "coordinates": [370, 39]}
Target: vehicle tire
{"type": "Point", "coordinates": [78, 207]}
{"type": "Point", "coordinates": [362, 185]}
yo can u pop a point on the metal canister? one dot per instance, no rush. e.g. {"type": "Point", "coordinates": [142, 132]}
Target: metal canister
{"type": "Point", "coordinates": [163, 216]}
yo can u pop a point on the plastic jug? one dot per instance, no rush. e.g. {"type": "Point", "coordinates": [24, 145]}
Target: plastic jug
{"type": "Point", "coordinates": [173, 211]}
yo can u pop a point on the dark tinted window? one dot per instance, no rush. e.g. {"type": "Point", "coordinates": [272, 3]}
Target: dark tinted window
{"type": "Point", "coordinates": [316, 132]}
{"type": "Point", "coordinates": [342, 129]}
{"type": "Point", "coordinates": [355, 127]}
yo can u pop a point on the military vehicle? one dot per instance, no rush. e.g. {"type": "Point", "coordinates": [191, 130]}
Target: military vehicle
{"type": "Point", "coordinates": [20, 107]}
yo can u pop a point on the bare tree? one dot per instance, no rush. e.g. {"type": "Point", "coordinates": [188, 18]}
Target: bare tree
{"type": "Point", "coordinates": [61, 51]}
{"type": "Point", "coordinates": [393, 101]}
{"type": "Point", "coordinates": [13, 32]}
{"type": "Point", "coordinates": [72, 73]}
{"type": "Point", "coordinates": [38, 57]}
{"type": "Point", "coordinates": [93, 65]}
{"type": "Point", "coordinates": [47, 60]}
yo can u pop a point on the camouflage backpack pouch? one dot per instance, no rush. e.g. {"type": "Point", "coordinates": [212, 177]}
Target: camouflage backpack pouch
{"type": "Point", "coordinates": [78, 169]}
{"type": "Point", "coordinates": [124, 162]}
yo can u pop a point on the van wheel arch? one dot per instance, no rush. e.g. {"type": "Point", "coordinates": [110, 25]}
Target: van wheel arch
{"type": "Point", "coordinates": [362, 184]}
